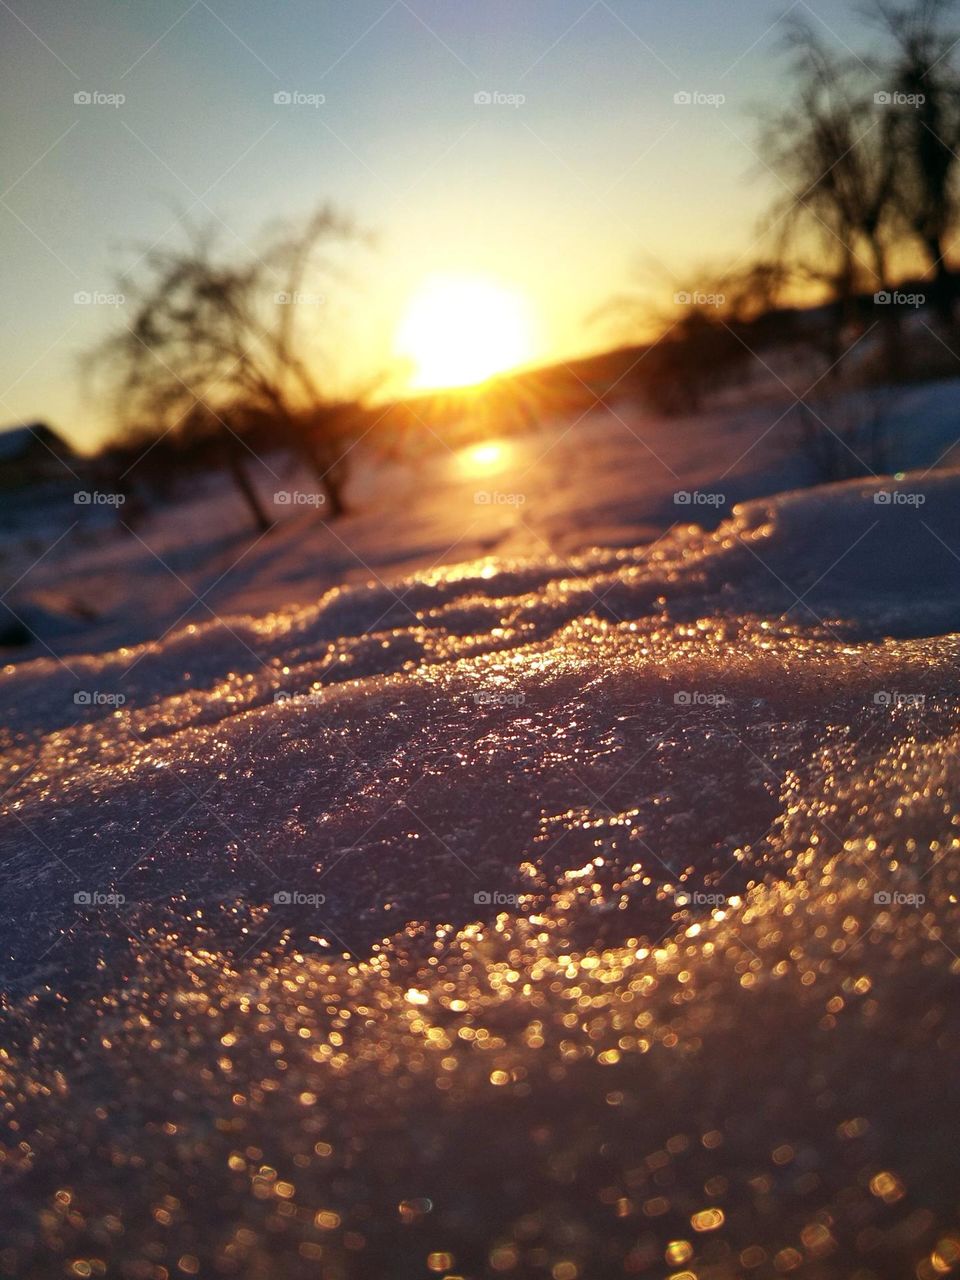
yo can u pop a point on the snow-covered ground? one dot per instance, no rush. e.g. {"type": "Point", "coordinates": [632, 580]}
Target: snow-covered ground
{"type": "Point", "coordinates": [601, 480]}
{"type": "Point", "coordinates": [576, 899]}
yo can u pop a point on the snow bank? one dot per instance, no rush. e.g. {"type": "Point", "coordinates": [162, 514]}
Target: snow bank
{"type": "Point", "coordinates": [385, 721]}
{"type": "Point", "coordinates": [548, 916]}
{"type": "Point", "coordinates": [610, 479]}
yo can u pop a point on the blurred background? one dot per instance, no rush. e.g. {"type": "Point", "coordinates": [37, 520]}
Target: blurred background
{"type": "Point", "coordinates": [274, 265]}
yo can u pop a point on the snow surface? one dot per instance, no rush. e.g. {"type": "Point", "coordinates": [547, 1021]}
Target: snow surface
{"type": "Point", "coordinates": [600, 480]}
{"type": "Point", "coordinates": [573, 914]}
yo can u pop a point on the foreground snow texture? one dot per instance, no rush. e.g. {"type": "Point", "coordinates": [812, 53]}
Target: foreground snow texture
{"type": "Point", "coordinates": [716, 1032]}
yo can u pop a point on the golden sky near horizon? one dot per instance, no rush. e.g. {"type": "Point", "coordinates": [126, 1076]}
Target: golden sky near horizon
{"type": "Point", "coordinates": [546, 157]}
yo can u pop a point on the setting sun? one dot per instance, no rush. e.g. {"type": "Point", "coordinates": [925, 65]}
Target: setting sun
{"type": "Point", "coordinates": [459, 330]}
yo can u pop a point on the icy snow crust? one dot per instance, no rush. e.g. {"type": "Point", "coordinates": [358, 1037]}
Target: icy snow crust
{"type": "Point", "coordinates": [551, 918]}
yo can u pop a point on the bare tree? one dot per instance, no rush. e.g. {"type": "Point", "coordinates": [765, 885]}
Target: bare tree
{"type": "Point", "coordinates": [836, 155]}
{"type": "Point", "coordinates": [926, 128]}
{"type": "Point", "coordinates": [221, 344]}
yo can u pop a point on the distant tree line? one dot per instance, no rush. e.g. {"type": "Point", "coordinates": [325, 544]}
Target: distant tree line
{"type": "Point", "coordinates": [869, 153]}
{"type": "Point", "coordinates": [866, 153]}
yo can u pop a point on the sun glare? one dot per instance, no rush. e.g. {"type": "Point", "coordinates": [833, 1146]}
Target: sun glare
{"type": "Point", "coordinates": [459, 330]}
{"type": "Point", "coordinates": [484, 459]}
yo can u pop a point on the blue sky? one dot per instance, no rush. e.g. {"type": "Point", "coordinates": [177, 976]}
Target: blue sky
{"type": "Point", "coordinates": [568, 197]}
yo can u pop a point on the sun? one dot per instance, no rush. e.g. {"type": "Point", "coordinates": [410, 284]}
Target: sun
{"type": "Point", "coordinates": [459, 330]}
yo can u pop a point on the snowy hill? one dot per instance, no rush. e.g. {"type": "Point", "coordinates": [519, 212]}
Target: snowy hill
{"type": "Point", "coordinates": [84, 585]}
{"type": "Point", "coordinates": [622, 882]}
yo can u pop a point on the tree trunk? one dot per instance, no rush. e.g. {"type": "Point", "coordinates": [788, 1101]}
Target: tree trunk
{"type": "Point", "coordinates": [335, 501]}
{"type": "Point", "coordinates": [942, 293]}
{"type": "Point", "coordinates": [240, 478]}
{"type": "Point", "coordinates": [892, 328]}
{"type": "Point", "coordinates": [329, 481]}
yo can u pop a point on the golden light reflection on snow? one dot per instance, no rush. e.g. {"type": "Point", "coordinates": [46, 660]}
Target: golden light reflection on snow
{"type": "Point", "coordinates": [485, 459]}
{"type": "Point", "coordinates": [603, 983]}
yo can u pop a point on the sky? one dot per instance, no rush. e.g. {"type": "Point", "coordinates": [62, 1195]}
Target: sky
{"type": "Point", "coordinates": [581, 178]}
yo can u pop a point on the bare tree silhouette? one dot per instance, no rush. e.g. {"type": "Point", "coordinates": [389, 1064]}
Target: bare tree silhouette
{"type": "Point", "coordinates": [927, 134]}
{"type": "Point", "coordinates": [837, 156]}
{"type": "Point", "coordinates": [218, 347]}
